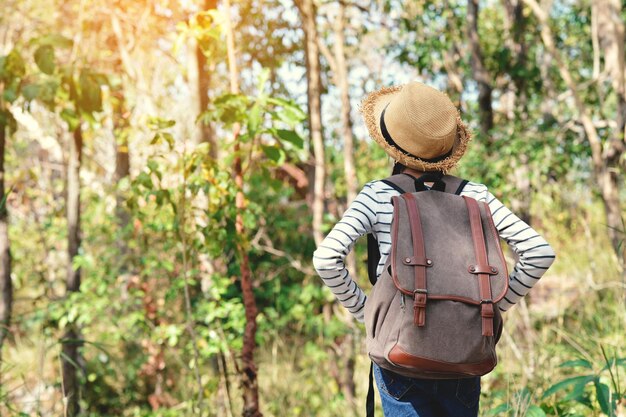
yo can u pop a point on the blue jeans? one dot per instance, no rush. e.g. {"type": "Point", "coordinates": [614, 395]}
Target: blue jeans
{"type": "Point", "coordinates": [411, 397]}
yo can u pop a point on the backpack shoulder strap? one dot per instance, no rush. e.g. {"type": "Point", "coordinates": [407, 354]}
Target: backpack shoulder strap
{"type": "Point", "coordinates": [454, 184]}
{"type": "Point", "coordinates": [403, 183]}
{"type": "Point", "coordinates": [373, 257]}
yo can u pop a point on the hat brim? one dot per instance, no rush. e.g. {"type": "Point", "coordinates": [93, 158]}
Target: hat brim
{"type": "Point", "coordinates": [372, 107]}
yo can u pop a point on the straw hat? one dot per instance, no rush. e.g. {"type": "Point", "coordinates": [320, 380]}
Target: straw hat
{"type": "Point", "coordinates": [417, 126]}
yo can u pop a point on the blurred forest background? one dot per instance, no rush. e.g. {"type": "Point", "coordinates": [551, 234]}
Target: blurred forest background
{"type": "Point", "coordinates": [167, 168]}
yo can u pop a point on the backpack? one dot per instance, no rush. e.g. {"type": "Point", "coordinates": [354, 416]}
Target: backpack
{"type": "Point", "coordinates": [432, 313]}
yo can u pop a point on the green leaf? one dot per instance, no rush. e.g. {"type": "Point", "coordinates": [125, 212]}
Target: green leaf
{"type": "Point", "coordinates": [3, 202]}
{"type": "Point", "coordinates": [231, 108]}
{"type": "Point", "coordinates": [10, 93]}
{"type": "Point", "coordinates": [263, 77]}
{"type": "Point", "coordinates": [581, 380]}
{"type": "Point", "coordinates": [604, 398]}
{"type": "Point", "coordinates": [290, 112]}
{"type": "Point", "coordinates": [535, 411]}
{"type": "Point", "coordinates": [577, 394]}
{"type": "Point", "coordinates": [254, 119]}
{"type": "Point", "coordinates": [290, 115]}
{"type": "Point", "coordinates": [274, 153]}
{"type": "Point", "coordinates": [160, 137]}
{"type": "Point", "coordinates": [3, 60]}
{"type": "Point", "coordinates": [71, 118]}
{"type": "Point", "coordinates": [55, 39]}
{"type": "Point", "coordinates": [291, 137]}
{"type": "Point", "coordinates": [48, 92]}
{"type": "Point", "coordinates": [14, 66]}
{"type": "Point", "coordinates": [499, 410]}
{"type": "Point", "coordinates": [31, 91]}
{"type": "Point", "coordinates": [575, 363]}
{"type": "Point", "coordinates": [614, 362]}
{"type": "Point", "coordinates": [157, 123]}
{"type": "Point", "coordinates": [144, 179]}
{"type": "Point", "coordinates": [44, 58]}
{"type": "Point", "coordinates": [153, 165]}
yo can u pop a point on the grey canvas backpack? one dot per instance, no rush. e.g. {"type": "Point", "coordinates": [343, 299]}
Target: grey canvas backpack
{"type": "Point", "coordinates": [433, 312]}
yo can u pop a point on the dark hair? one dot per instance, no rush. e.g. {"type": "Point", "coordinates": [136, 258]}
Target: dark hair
{"type": "Point", "coordinates": [397, 168]}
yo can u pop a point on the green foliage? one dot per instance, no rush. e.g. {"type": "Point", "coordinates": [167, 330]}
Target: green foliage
{"type": "Point", "coordinates": [606, 395]}
{"type": "Point", "coordinates": [44, 57]}
{"type": "Point", "coordinates": [169, 227]}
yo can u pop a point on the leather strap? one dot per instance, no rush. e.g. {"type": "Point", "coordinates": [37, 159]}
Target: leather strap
{"type": "Point", "coordinates": [373, 257]}
{"type": "Point", "coordinates": [405, 183]}
{"type": "Point", "coordinates": [369, 401]}
{"type": "Point", "coordinates": [482, 267]}
{"type": "Point", "coordinates": [420, 292]}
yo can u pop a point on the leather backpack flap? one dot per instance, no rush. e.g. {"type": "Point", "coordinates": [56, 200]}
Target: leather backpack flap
{"type": "Point", "coordinates": [448, 245]}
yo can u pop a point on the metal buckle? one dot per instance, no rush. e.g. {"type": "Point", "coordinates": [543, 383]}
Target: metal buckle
{"type": "Point", "coordinates": [488, 300]}
{"type": "Point", "coordinates": [420, 291]}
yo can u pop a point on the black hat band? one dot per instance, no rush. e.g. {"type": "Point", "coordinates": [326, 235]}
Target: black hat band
{"type": "Point", "coordinates": [391, 142]}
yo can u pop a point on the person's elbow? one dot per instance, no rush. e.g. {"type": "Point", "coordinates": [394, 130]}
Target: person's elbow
{"type": "Point", "coordinates": [551, 255]}
{"type": "Point", "coordinates": [546, 254]}
{"type": "Point", "coordinates": [322, 261]}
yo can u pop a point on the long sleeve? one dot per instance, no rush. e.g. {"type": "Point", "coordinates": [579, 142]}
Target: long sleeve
{"type": "Point", "coordinates": [535, 255]}
{"type": "Point", "coordinates": [329, 257]}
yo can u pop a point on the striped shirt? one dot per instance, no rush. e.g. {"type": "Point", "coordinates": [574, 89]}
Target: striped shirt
{"type": "Point", "coordinates": [371, 211]}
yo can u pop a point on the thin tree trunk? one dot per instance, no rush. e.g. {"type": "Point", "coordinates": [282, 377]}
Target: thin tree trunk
{"type": "Point", "coordinates": [204, 84]}
{"type": "Point", "coordinates": [455, 79]}
{"type": "Point", "coordinates": [70, 358]}
{"type": "Point", "coordinates": [341, 79]}
{"type": "Point", "coordinates": [122, 168]}
{"type": "Point", "coordinates": [604, 161]}
{"type": "Point", "coordinates": [479, 72]}
{"type": "Point", "coordinates": [344, 88]}
{"type": "Point", "coordinates": [154, 367]}
{"type": "Point", "coordinates": [314, 86]}
{"type": "Point", "coordinates": [249, 369]}
{"type": "Point", "coordinates": [611, 40]}
{"type": "Point", "coordinates": [6, 286]}
{"type": "Point", "coordinates": [516, 25]}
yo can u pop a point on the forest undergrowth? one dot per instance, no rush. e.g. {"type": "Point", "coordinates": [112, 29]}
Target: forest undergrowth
{"type": "Point", "coordinates": [561, 352]}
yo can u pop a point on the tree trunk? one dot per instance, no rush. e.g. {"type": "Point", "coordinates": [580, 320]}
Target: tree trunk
{"type": "Point", "coordinates": [516, 25]}
{"type": "Point", "coordinates": [6, 286]}
{"type": "Point", "coordinates": [604, 158]}
{"type": "Point", "coordinates": [204, 84]}
{"type": "Point", "coordinates": [122, 168]}
{"type": "Point", "coordinates": [70, 358]}
{"type": "Point", "coordinates": [479, 72]}
{"type": "Point", "coordinates": [249, 370]}
{"type": "Point", "coordinates": [454, 86]}
{"type": "Point", "coordinates": [314, 87]}
{"type": "Point", "coordinates": [344, 88]}
{"type": "Point", "coordinates": [342, 76]}
{"type": "Point", "coordinates": [612, 38]}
